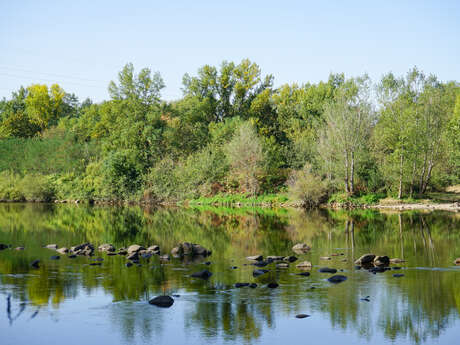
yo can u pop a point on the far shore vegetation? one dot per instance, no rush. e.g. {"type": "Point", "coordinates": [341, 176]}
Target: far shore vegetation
{"type": "Point", "coordinates": [236, 139]}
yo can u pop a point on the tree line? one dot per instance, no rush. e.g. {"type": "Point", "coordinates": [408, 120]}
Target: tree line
{"type": "Point", "coordinates": [233, 132]}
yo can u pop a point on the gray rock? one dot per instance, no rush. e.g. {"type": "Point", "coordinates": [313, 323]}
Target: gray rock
{"type": "Point", "coordinates": [106, 247]}
{"type": "Point", "coordinates": [162, 301]}
{"type": "Point", "coordinates": [177, 252]}
{"type": "Point", "coordinates": [154, 249]}
{"type": "Point", "coordinates": [301, 248]}
{"type": "Point", "coordinates": [337, 279]}
{"type": "Point", "coordinates": [327, 270]}
{"type": "Point", "coordinates": [83, 249]}
{"type": "Point", "coordinates": [187, 248]}
{"type": "Point", "coordinates": [164, 257]}
{"type": "Point", "coordinates": [205, 274]}
{"type": "Point", "coordinates": [365, 259]}
{"type": "Point", "coordinates": [304, 265]}
{"type": "Point", "coordinates": [134, 248]}
{"type": "Point", "coordinates": [198, 249]}
{"type": "Point", "coordinates": [133, 256]}
{"type": "Point", "coordinates": [63, 250]}
{"type": "Point", "coordinates": [51, 246]}
{"type": "Point", "coordinates": [275, 258]}
{"type": "Point", "coordinates": [301, 316]}
{"type": "Point", "coordinates": [282, 265]}
{"type": "Point", "coordinates": [258, 273]}
{"type": "Point", "coordinates": [255, 258]}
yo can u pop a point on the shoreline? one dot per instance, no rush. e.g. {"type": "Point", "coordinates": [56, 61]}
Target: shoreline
{"type": "Point", "coordinates": [451, 207]}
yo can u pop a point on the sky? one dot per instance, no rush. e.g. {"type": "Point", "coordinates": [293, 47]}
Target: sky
{"type": "Point", "coordinates": [82, 45]}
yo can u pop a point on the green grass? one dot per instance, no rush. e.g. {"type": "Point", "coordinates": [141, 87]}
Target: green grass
{"type": "Point", "coordinates": [240, 199]}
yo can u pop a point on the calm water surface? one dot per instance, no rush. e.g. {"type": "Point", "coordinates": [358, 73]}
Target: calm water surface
{"type": "Point", "coordinates": [68, 301]}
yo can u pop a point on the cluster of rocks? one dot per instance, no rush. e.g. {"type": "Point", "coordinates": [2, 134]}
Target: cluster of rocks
{"type": "Point", "coordinates": [186, 248]}
{"type": "Point", "coordinates": [378, 264]}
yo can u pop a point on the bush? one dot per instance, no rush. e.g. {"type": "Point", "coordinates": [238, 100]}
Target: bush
{"type": "Point", "coordinates": [307, 187]}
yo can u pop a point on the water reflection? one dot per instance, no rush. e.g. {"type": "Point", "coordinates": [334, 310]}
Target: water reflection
{"type": "Point", "coordinates": [421, 306]}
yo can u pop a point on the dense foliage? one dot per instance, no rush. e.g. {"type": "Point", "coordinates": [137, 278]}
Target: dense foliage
{"type": "Point", "coordinates": [232, 132]}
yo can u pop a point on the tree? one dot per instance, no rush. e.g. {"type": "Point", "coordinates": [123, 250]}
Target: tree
{"type": "Point", "coordinates": [244, 153]}
{"type": "Point", "coordinates": [348, 121]}
{"type": "Point", "coordinates": [45, 105]}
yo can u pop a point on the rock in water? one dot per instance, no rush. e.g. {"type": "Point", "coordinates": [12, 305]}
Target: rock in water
{"type": "Point", "coordinates": [327, 270]}
{"type": "Point", "coordinates": [397, 261]}
{"type": "Point", "coordinates": [134, 248]}
{"type": "Point", "coordinates": [3, 246]}
{"type": "Point", "coordinates": [106, 247]}
{"type": "Point", "coordinates": [301, 248]}
{"type": "Point", "coordinates": [240, 285]}
{"type": "Point", "coordinates": [258, 273]}
{"type": "Point", "coordinates": [275, 258]}
{"type": "Point", "coordinates": [398, 275]}
{"type": "Point", "coordinates": [62, 250]}
{"type": "Point", "coordinates": [365, 259]}
{"type": "Point", "coordinates": [272, 285]}
{"type": "Point", "coordinates": [253, 285]}
{"type": "Point", "coordinates": [304, 265]}
{"type": "Point", "coordinates": [128, 264]}
{"type": "Point", "coordinates": [337, 279]}
{"type": "Point", "coordinates": [205, 274]}
{"type": "Point", "coordinates": [51, 246]}
{"type": "Point", "coordinates": [255, 258]}
{"type": "Point", "coordinates": [290, 258]}
{"type": "Point", "coordinates": [19, 248]}
{"type": "Point", "coordinates": [282, 265]}
{"type": "Point", "coordinates": [302, 316]}
{"type": "Point", "coordinates": [305, 274]}
{"type": "Point", "coordinates": [35, 264]}
{"type": "Point", "coordinates": [457, 261]}
{"type": "Point", "coordinates": [55, 257]}
{"type": "Point", "coordinates": [381, 260]}
{"type": "Point", "coordinates": [162, 301]}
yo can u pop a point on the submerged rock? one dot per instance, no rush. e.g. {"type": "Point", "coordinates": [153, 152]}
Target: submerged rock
{"type": "Point", "coordinates": [240, 285]}
{"type": "Point", "coordinates": [398, 275]}
{"type": "Point", "coordinates": [72, 256]}
{"type": "Point", "coordinates": [253, 285]}
{"type": "Point", "coordinates": [205, 274]}
{"type": "Point", "coordinates": [272, 285]}
{"type": "Point", "coordinates": [255, 258]}
{"type": "Point", "coordinates": [162, 301]}
{"type": "Point", "coordinates": [365, 259]}
{"type": "Point", "coordinates": [305, 274]}
{"type": "Point", "coordinates": [327, 270]}
{"type": "Point", "coordinates": [55, 257]}
{"type": "Point", "coordinates": [35, 264]}
{"type": "Point", "coordinates": [337, 279]}
{"type": "Point", "coordinates": [301, 316]}
{"type": "Point", "coordinates": [258, 273]}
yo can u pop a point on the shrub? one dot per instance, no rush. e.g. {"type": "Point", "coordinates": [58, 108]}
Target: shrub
{"type": "Point", "coordinates": [307, 187]}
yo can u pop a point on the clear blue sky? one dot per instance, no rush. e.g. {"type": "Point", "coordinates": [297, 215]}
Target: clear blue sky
{"type": "Point", "coordinates": [83, 44]}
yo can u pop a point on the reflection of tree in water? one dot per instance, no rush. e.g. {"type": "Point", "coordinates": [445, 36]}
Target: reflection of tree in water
{"type": "Point", "coordinates": [419, 306]}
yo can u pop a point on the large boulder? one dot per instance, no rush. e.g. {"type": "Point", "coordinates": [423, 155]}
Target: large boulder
{"type": "Point", "coordinates": [162, 301]}
{"type": "Point", "coordinates": [301, 248]}
{"type": "Point", "coordinates": [106, 247]}
{"type": "Point", "coordinates": [365, 259]}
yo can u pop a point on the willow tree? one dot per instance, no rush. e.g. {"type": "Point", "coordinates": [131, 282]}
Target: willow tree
{"type": "Point", "coordinates": [345, 134]}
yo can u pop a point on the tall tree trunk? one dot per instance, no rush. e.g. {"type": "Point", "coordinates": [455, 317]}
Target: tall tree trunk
{"type": "Point", "coordinates": [422, 176]}
{"type": "Point", "coordinates": [347, 187]}
{"type": "Point", "coordinates": [352, 173]}
{"type": "Point", "coordinates": [428, 176]}
{"type": "Point", "coordinates": [400, 176]}
{"type": "Point", "coordinates": [414, 168]}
